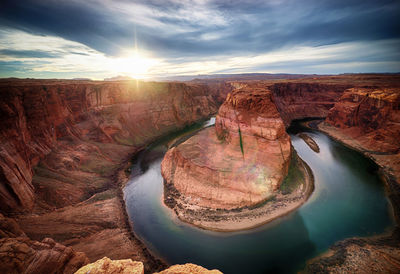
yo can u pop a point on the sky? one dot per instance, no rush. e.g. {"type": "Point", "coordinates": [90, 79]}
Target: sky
{"type": "Point", "coordinates": [144, 39]}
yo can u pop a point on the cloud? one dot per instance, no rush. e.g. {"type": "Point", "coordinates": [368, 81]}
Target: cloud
{"type": "Point", "coordinates": [182, 33]}
{"type": "Point", "coordinates": [35, 55]}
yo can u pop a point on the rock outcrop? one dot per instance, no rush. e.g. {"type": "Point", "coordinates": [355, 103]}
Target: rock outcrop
{"type": "Point", "coordinates": [22, 255]}
{"type": "Point", "coordinates": [188, 268]}
{"type": "Point", "coordinates": [107, 266]}
{"type": "Point", "coordinates": [370, 116]}
{"type": "Point", "coordinates": [239, 163]}
{"type": "Point", "coordinates": [360, 255]}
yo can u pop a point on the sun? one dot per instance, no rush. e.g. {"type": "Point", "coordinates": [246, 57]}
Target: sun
{"type": "Point", "coordinates": [134, 64]}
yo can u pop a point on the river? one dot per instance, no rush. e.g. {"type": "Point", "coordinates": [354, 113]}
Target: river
{"type": "Point", "coordinates": [348, 200]}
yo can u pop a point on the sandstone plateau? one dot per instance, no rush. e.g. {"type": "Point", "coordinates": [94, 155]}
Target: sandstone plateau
{"type": "Point", "coordinates": [65, 145]}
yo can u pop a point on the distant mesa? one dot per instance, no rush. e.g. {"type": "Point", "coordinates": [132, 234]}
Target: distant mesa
{"type": "Point", "coordinates": [119, 78]}
{"type": "Point", "coordinates": [82, 79]}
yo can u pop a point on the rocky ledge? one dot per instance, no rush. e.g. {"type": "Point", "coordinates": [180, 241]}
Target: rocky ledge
{"type": "Point", "coordinates": [237, 165]}
{"type": "Point", "coordinates": [107, 266]}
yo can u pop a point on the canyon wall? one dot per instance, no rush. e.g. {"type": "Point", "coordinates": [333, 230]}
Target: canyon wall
{"type": "Point", "coordinates": [305, 100]}
{"type": "Point", "coordinates": [372, 116]}
{"type": "Point", "coordinates": [368, 120]}
{"type": "Point", "coordinates": [239, 163]}
{"type": "Point", "coordinates": [36, 115]}
{"type": "Point", "coordinates": [19, 254]}
{"type": "Point", "coordinates": [64, 149]}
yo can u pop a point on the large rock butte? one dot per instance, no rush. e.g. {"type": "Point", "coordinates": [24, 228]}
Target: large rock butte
{"type": "Point", "coordinates": [240, 162]}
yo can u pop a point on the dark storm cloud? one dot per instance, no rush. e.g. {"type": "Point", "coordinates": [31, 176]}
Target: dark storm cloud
{"type": "Point", "coordinates": [215, 28]}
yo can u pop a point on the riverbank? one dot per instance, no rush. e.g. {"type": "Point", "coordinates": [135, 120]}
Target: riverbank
{"type": "Point", "coordinates": [294, 192]}
{"type": "Point", "coordinates": [388, 163]}
{"type": "Point", "coordinates": [376, 254]}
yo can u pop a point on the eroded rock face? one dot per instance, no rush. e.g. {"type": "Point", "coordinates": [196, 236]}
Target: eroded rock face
{"type": "Point", "coordinates": [63, 145]}
{"type": "Point", "coordinates": [22, 255]}
{"type": "Point", "coordinates": [304, 100]}
{"type": "Point", "coordinates": [372, 116]}
{"type": "Point", "coordinates": [239, 163]}
{"type": "Point", "coordinates": [9, 228]}
{"type": "Point", "coordinates": [36, 115]}
{"type": "Point", "coordinates": [188, 268]}
{"type": "Point", "coordinates": [128, 266]}
{"type": "Point", "coordinates": [107, 266]}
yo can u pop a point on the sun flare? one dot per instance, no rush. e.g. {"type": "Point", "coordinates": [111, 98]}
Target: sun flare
{"type": "Point", "coordinates": [134, 64]}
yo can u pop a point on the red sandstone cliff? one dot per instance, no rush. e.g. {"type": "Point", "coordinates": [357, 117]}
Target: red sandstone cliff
{"type": "Point", "coordinates": [63, 145]}
{"type": "Point", "coordinates": [19, 254]}
{"type": "Point", "coordinates": [304, 100]}
{"type": "Point", "coordinates": [368, 119]}
{"type": "Point", "coordinates": [239, 163]}
{"type": "Point", "coordinates": [36, 116]}
{"type": "Point", "coordinates": [372, 116]}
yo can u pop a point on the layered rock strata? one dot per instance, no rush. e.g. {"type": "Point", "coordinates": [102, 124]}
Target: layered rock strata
{"type": "Point", "coordinates": [370, 116]}
{"type": "Point", "coordinates": [368, 120]}
{"type": "Point", "coordinates": [19, 254]}
{"type": "Point", "coordinates": [303, 100]}
{"type": "Point", "coordinates": [241, 162]}
{"type": "Point", "coordinates": [37, 115]}
{"type": "Point", "coordinates": [65, 145]}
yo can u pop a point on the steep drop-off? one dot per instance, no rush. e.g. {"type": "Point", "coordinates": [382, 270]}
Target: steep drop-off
{"type": "Point", "coordinates": [368, 119]}
{"type": "Point", "coordinates": [304, 100]}
{"type": "Point", "coordinates": [35, 117]}
{"type": "Point", "coordinates": [64, 147]}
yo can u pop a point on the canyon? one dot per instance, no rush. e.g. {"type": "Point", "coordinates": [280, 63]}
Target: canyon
{"type": "Point", "coordinates": [66, 145]}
